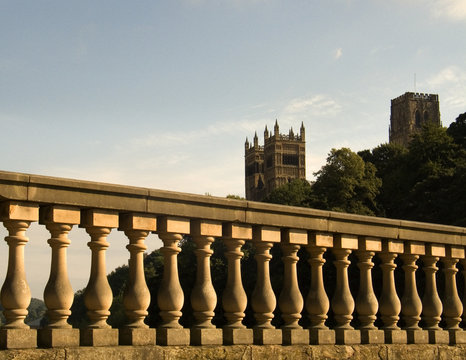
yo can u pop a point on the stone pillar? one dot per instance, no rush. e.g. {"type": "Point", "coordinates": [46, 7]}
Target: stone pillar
{"type": "Point", "coordinates": [389, 302]}
{"type": "Point", "coordinates": [170, 297]}
{"type": "Point", "coordinates": [342, 301]}
{"type": "Point", "coordinates": [290, 300]}
{"type": "Point", "coordinates": [203, 296]}
{"type": "Point", "coordinates": [15, 294]}
{"type": "Point", "coordinates": [136, 296]}
{"type": "Point", "coordinates": [98, 295]}
{"type": "Point", "coordinates": [263, 298]}
{"type": "Point", "coordinates": [317, 304]}
{"type": "Point", "coordinates": [366, 301]}
{"type": "Point", "coordinates": [411, 305]}
{"type": "Point", "coordinates": [452, 306]}
{"type": "Point", "coordinates": [234, 298]}
{"type": "Point", "coordinates": [431, 303]}
{"type": "Point", "coordinates": [58, 294]}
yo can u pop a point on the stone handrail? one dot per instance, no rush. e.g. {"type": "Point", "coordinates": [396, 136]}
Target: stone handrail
{"type": "Point", "coordinates": [59, 204]}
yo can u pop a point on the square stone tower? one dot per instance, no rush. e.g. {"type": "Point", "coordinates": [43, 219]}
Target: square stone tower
{"type": "Point", "coordinates": [409, 112]}
{"type": "Point", "coordinates": [281, 160]}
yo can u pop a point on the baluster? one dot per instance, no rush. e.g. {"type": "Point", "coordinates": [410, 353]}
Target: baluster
{"type": "Point", "coordinates": [431, 303]}
{"type": "Point", "coordinates": [15, 294]}
{"type": "Point", "coordinates": [136, 296]}
{"type": "Point", "coordinates": [170, 297]}
{"type": "Point", "coordinates": [411, 305]}
{"type": "Point", "coordinates": [452, 307]}
{"type": "Point", "coordinates": [58, 294]}
{"type": "Point", "coordinates": [366, 301]}
{"type": "Point", "coordinates": [342, 301]}
{"type": "Point", "coordinates": [290, 300]}
{"type": "Point", "coordinates": [317, 304]}
{"type": "Point", "coordinates": [203, 296]}
{"type": "Point", "coordinates": [98, 294]}
{"type": "Point", "coordinates": [234, 298]}
{"type": "Point", "coordinates": [463, 262]}
{"type": "Point", "coordinates": [389, 303]}
{"type": "Point", "coordinates": [263, 298]}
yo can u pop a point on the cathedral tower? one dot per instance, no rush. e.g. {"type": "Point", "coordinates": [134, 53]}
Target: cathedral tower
{"type": "Point", "coordinates": [281, 160]}
{"type": "Point", "coordinates": [409, 112]}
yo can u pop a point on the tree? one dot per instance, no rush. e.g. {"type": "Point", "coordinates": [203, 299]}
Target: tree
{"type": "Point", "coordinates": [457, 130]}
{"type": "Point", "coordinates": [347, 184]}
{"type": "Point", "coordinates": [294, 193]}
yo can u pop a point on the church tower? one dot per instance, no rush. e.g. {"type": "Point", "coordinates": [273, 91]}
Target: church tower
{"type": "Point", "coordinates": [409, 112]}
{"type": "Point", "coordinates": [281, 160]}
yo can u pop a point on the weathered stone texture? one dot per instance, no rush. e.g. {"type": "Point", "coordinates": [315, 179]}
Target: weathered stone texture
{"type": "Point", "coordinates": [245, 352]}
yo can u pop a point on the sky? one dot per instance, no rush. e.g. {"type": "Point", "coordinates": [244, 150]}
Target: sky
{"type": "Point", "coordinates": [163, 94]}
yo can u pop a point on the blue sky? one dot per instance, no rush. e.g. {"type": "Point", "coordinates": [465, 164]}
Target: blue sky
{"type": "Point", "coordinates": [162, 94]}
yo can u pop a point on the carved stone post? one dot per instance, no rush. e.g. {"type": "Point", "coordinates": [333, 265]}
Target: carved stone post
{"type": "Point", "coordinates": [290, 300]}
{"type": "Point", "coordinates": [15, 294]}
{"type": "Point", "coordinates": [452, 306]}
{"type": "Point", "coordinates": [98, 294]}
{"type": "Point", "coordinates": [170, 297]}
{"type": "Point", "coordinates": [317, 304]}
{"type": "Point", "coordinates": [58, 294]}
{"type": "Point", "coordinates": [342, 301]}
{"type": "Point", "coordinates": [366, 302]}
{"type": "Point", "coordinates": [431, 303]}
{"type": "Point", "coordinates": [234, 298]}
{"type": "Point", "coordinates": [389, 302]}
{"type": "Point", "coordinates": [136, 296]}
{"type": "Point", "coordinates": [203, 296]}
{"type": "Point", "coordinates": [263, 298]}
{"type": "Point", "coordinates": [411, 305]}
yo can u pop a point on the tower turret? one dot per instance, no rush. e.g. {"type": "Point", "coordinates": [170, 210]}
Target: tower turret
{"type": "Point", "coordinates": [291, 133]}
{"type": "Point", "coordinates": [302, 132]}
{"type": "Point", "coordinates": [276, 129]}
{"type": "Point", "coordinates": [256, 140]}
{"type": "Point", "coordinates": [266, 133]}
{"type": "Point", "coordinates": [246, 144]}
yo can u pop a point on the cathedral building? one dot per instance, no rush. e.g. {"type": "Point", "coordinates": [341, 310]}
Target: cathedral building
{"type": "Point", "coordinates": [280, 160]}
{"type": "Point", "coordinates": [409, 112]}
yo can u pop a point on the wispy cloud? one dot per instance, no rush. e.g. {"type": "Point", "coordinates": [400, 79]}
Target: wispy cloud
{"type": "Point", "coordinates": [450, 83]}
{"type": "Point", "coordinates": [338, 53]}
{"type": "Point", "coordinates": [315, 105]}
{"type": "Point", "coordinates": [450, 9]}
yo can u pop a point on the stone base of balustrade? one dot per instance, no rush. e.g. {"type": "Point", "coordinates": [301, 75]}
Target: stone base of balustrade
{"type": "Point", "coordinates": [295, 336]}
{"type": "Point", "coordinates": [417, 336]}
{"type": "Point", "coordinates": [439, 337]}
{"type": "Point", "coordinates": [321, 337]}
{"type": "Point", "coordinates": [457, 337]}
{"type": "Point", "coordinates": [200, 336]}
{"type": "Point", "coordinates": [137, 336]}
{"type": "Point", "coordinates": [173, 336]}
{"type": "Point", "coordinates": [347, 336]}
{"type": "Point", "coordinates": [372, 336]}
{"type": "Point", "coordinates": [233, 336]}
{"type": "Point", "coordinates": [395, 336]}
{"type": "Point", "coordinates": [18, 338]}
{"type": "Point", "coordinates": [51, 338]}
{"type": "Point", "coordinates": [98, 337]}
{"type": "Point", "coordinates": [267, 336]}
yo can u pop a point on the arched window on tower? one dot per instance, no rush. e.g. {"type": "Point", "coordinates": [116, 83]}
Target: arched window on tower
{"type": "Point", "coordinates": [417, 116]}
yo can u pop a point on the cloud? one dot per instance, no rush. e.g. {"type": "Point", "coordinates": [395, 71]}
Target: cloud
{"type": "Point", "coordinates": [316, 105]}
{"type": "Point", "coordinates": [338, 53]}
{"type": "Point", "coordinates": [451, 9]}
{"type": "Point", "coordinates": [450, 84]}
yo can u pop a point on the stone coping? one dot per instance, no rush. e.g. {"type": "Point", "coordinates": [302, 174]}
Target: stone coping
{"type": "Point", "coordinates": [245, 352]}
{"type": "Point", "coordinates": [45, 190]}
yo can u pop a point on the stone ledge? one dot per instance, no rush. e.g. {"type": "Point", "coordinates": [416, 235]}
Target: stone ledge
{"type": "Point", "coordinates": [245, 352]}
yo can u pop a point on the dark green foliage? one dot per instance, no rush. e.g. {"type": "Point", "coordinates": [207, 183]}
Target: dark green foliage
{"type": "Point", "coordinates": [36, 311]}
{"type": "Point", "coordinates": [294, 193]}
{"type": "Point", "coordinates": [346, 184]}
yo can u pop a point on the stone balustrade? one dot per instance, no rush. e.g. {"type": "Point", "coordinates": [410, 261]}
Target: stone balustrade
{"type": "Point", "coordinates": [365, 243]}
